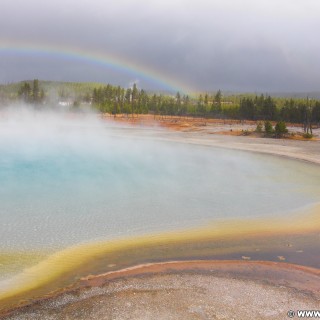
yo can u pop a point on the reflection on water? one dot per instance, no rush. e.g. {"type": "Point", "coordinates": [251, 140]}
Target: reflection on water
{"type": "Point", "coordinates": [65, 182]}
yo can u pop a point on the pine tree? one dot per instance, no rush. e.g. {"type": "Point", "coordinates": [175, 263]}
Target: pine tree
{"type": "Point", "coordinates": [25, 92]}
{"type": "Point", "coordinates": [36, 91]}
{"type": "Point", "coordinates": [217, 100]}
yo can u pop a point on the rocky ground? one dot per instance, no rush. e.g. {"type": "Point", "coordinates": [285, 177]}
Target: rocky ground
{"type": "Point", "coordinates": [206, 290]}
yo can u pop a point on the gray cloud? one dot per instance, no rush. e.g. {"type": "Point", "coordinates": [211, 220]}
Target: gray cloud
{"type": "Point", "coordinates": [239, 45]}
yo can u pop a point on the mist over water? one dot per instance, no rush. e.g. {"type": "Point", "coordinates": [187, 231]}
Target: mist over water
{"type": "Point", "coordinates": [71, 178]}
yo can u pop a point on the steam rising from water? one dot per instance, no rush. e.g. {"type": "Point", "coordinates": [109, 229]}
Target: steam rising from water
{"type": "Point", "coordinates": [69, 182]}
{"type": "Point", "coordinates": [69, 178]}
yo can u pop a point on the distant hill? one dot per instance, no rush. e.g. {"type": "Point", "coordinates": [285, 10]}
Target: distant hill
{"type": "Point", "coordinates": [294, 95]}
{"type": "Point", "coordinates": [297, 95]}
{"type": "Point", "coordinates": [80, 89]}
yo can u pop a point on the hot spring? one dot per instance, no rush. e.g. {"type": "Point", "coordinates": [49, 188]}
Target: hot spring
{"type": "Point", "coordinates": [69, 180]}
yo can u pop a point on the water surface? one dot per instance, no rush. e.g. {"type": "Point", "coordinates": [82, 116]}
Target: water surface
{"type": "Point", "coordinates": [57, 194]}
{"type": "Point", "coordinates": [67, 181]}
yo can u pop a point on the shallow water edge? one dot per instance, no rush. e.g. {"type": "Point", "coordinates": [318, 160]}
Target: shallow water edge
{"type": "Point", "coordinates": [294, 241]}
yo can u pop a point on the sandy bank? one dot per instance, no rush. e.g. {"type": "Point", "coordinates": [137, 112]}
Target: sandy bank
{"type": "Point", "coordinates": [295, 149]}
{"type": "Point", "coordinates": [186, 290]}
{"type": "Point", "coordinates": [299, 150]}
{"type": "Point", "coordinates": [218, 133]}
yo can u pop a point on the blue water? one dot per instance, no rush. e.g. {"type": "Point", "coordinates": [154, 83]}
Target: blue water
{"type": "Point", "coordinates": [63, 186]}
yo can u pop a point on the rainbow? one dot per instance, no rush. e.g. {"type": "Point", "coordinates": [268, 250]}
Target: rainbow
{"type": "Point", "coordinates": [103, 59]}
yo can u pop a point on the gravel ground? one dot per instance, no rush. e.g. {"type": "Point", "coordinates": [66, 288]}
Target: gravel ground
{"type": "Point", "coordinates": [174, 296]}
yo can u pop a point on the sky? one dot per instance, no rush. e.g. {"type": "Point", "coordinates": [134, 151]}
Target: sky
{"type": "Point", "coordinates": [200, 45]}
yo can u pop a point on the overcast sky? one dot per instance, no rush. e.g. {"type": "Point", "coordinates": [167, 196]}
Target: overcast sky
{"type": "Point", "coordinates": [247, 45]}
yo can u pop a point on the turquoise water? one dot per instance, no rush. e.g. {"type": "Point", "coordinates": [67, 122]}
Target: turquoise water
{"type": "Point", "coordinates": [66, 181]}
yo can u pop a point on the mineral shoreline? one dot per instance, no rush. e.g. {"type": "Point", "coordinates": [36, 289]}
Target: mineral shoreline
{"type": "Point", "coordinates": [201, 289]}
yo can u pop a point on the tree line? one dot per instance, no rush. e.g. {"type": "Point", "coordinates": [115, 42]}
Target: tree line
{"type": "Point", "coordinates": [291, 110]}
{"type": "Point", "coordinates": [31, 93]}
{"type": "Point", "coordinates": [118, 100]}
